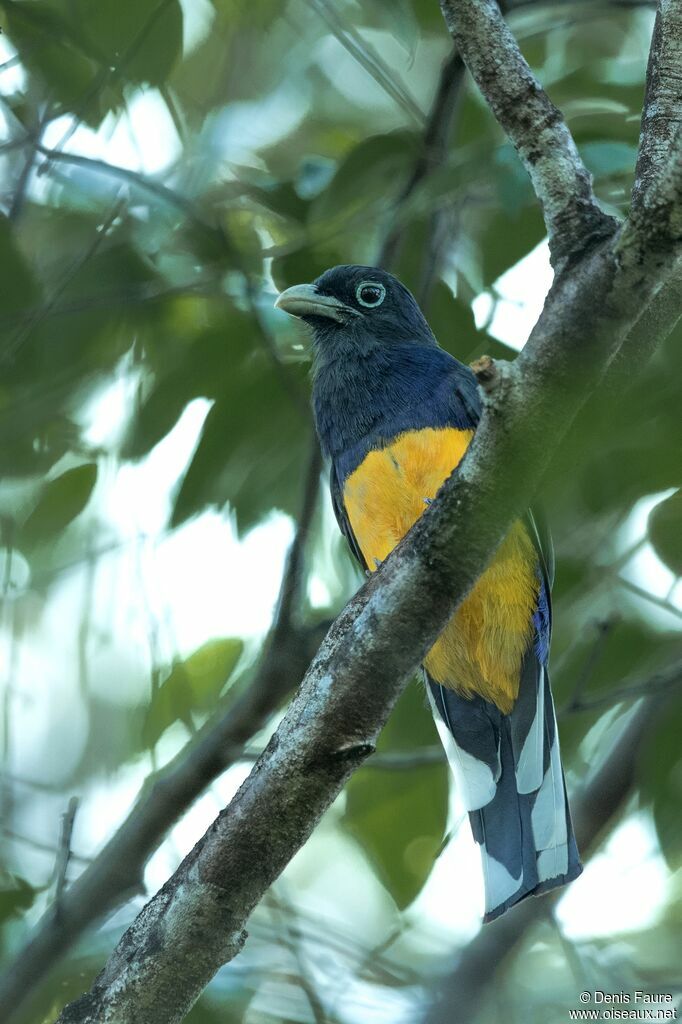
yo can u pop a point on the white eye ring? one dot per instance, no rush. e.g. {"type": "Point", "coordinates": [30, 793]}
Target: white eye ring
{"type": "Point", "coordinates": [370, 284]}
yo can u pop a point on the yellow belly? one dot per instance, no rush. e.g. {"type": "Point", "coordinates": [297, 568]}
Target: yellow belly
{"type": "Point", "coordinates": [481, 648]}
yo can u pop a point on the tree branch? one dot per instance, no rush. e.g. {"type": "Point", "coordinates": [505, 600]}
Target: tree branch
{"type": "Point", "coordinates": [533, 125]}
{"type": "Point", "coordinates": [656, 323]}
{"type": "Point", "coordinates": [117, 871]}
{"type": "Point", "coordinates": [655, 221]}
{"type": "Point", "coordinates": [665, 679]}
{"type": "Point", "coordinates": [594, 810]}
{"type": "Point", "coordinates": [662, 113]}
{"type": "Point", "coordinates": [433, 149]}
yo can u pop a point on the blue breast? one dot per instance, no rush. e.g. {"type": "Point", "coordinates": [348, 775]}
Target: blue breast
{"type": "Point", "coordinates": [364, 402]}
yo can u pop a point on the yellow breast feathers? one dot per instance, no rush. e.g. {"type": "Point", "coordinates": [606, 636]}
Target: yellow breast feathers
{"type": "Point", "coordinates": [481, 648]}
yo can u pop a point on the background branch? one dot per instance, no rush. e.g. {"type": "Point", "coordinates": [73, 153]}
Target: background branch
{"type": "Point", "coordinates": [433, 150]}
{"type": "Point", "coordinates": [662, 112]}
{"type": "Point", "coordinates": [656, 323]}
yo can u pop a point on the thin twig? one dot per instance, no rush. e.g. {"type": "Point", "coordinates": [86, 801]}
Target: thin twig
{"type": "Point", "coordinates": [21, 189]}
{"type": "Point", "coordinates": [594, 655]}
{"type": "Point", "coordinates": [285, 912]}
{"type": "Point", "coordinates": [16, 343]}
{"type": "Point", "coordinates": [660, 602]}
{"type": "Point", "coordinates": [433, 150]}
{"type": "Point", "coordinates": [660, 682]}
{"type": "Point", "coordinates": [368, 59]}
{"type": "Point", "coordinates": [64, 852]}
{"type": "Point", "coordinates": [38, 844]}
{"type": "Point", "coordinates": [151, 185]}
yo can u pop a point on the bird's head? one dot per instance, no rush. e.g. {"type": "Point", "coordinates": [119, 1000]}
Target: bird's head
{"type": "Point", "coordinates": [364, 306]}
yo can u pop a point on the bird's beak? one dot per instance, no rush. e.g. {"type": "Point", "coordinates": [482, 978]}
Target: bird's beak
{"type": "Point", "coordinates": [304, 300]}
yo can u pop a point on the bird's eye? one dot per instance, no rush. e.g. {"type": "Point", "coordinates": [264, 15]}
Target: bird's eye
{"type": "Point", "coordinates": [370, 293]}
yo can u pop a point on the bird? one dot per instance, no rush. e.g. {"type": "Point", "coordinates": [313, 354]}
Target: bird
{"type": "Point", "coordinates": [394, 414]}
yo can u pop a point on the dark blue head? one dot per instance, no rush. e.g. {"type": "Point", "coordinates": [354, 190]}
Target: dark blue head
{"type": "Point", "coordinates": [378, 369]}
{"type": "Point", "coordinates": [355, 309]}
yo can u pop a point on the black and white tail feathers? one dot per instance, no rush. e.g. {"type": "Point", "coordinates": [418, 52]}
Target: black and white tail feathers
{"type": "Point", "coordinates": [508, 772]}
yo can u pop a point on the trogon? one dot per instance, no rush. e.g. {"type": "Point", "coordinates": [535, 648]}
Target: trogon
{"type": "Point", "coordinates": [395, 414]}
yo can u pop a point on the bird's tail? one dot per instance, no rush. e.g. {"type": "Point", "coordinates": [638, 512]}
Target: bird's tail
{"type": "Point", "coordinates": [509, 775]}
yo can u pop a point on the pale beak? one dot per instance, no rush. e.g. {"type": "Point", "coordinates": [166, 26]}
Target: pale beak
{"type": "Point", "coordinates": [302, 300]}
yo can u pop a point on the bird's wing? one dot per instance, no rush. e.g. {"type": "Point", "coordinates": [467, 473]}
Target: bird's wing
{"type": "Point", "coordinates": [342, 517]}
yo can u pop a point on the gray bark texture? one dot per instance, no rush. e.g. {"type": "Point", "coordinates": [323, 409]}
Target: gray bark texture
{"type": "Point", "coordinates": [606, 275]}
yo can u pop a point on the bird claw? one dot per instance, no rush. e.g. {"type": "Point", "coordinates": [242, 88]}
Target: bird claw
{"type": "Point", "coordinates": [428, 501]}
{"type": "Point", "coordinates": [377, 563]}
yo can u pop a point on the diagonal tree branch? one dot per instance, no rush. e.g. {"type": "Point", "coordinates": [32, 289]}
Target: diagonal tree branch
{"type": "Point", "coordinates": [655, 222]}
{"type": "Point", "coordinates": [534, 126]}
{"type": "Point", "coordinates": [662, 113]}
{"type": "Point", "coordinates": [594, 810]}
{"type": "Point", "coordinates": [656, 323]}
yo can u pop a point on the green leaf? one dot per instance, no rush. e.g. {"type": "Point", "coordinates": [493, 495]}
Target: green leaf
{"type": "Point", "coordinates": [397, 17]}
{"type": "Point", "coordinates": [51, 51]}
{"type": "Point", "coordinates": [193, 685]}
{"type": "Point", "coordinates": [667, 820]}
{"type": "Point", "coordinates": [508, 237]}
{"type": "Point", "coordinates": [194, 370]}
{"type": "Point", "coordinates": [141, 40]}
{"type": "Point", "coordinates": [208, 669]}
{"type": "Point", "coordinates": [660, 777]}
{"type": "Point", "coordinates": [86, 51]}
{"type": "Point", "coordinates": [399, 817]}
{"type": "Point", "coordinates": [608, 158]}
{"type": "Point", "coordinates": [303, 265]}
{"type": "Point", "coordinates": [367, 175]}
{"type": "Point", "coordinates": [665, 531]}
{"type": "Point", "coordinates": [513, 184]}
{"type": "Point", "coordinates": [15, 897]}
{"type": "Point", "coordinates": [17, 288]}
{"type": "Point", "coordinates": [62, 499]}
{"type": "Point", "coordinates": [253, 444]}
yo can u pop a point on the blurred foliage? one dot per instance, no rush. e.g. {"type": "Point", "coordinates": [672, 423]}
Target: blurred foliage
{"type": "Point", "coordinates": [61, 500]}
{"type": "Point", "coordinates": [165, 167]}
{"type": "Point", "coordinates": [193, 685]}
{"type": "Point", "coordinates": [388, 814]}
